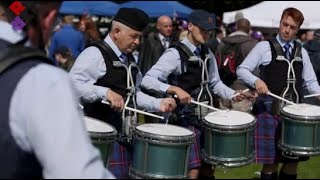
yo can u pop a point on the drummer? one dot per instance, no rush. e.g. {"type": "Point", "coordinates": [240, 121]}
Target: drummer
{"type": "Point", "coordinates": [95, 79]}
{"type": "Point", "coordinates": [273, 78]}
{"type": "Point", "coordinates": [169, 68]}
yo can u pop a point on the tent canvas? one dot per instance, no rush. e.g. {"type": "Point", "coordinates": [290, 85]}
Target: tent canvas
{"type": "Point", "coordinates": [158, 8]}
{"type": "Point", "coordinates": [267, 14]}
{"type": "Point", "coordinates": [98, 8]}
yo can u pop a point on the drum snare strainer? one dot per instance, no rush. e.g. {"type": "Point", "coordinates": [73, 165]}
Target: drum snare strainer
{"type": "Point", "coordinates": [300, 134]}
{"type": "Point", "coordinates": [229, 138]}
{"type": "Point", "coordinates": [160, 151]}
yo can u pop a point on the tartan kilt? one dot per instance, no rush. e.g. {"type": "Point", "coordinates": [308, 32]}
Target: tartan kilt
{"type": "Point", "coordinates": [268, 133]}
{"type": "Point", "coordinates": [120, 161]}
{"type": "Point", "coordinates": [195, 154]}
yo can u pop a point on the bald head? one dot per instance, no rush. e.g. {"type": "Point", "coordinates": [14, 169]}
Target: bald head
{"type": "Point", "coordinates": [164, 26]}
{"type": "Point", "coordinates": [243, 25]}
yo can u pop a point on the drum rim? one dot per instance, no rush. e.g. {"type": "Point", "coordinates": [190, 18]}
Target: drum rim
{"type": "Point", "coordinates": [107, 136]}
{"type": "Point", "coordinates": [171, 139]}
{"type": "Point", "coordinates": [138, 174]}
{"type": "Point", "coordinates": [299, 117]}
{"type": "Point", "coordinates": [236, 128]}
{"type": "Point", "coordinates": [253, 117]}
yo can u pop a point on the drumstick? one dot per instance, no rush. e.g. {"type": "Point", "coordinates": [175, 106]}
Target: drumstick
{"type": "Point", "coordinates": [204, 105]}
{"type": "Point", "coordinates": [136, 110]}
{"type": "Point", "coordinates": [271, 94]}
{"type": "Point", "coordinates": [311, 95]}
{"type": "Point", "coordinates": [239, 93]}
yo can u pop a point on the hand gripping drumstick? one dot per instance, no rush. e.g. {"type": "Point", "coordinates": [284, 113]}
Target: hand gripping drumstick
{"type": "Point", "coordinates": [204, 105]}
{"type": "Point", "coordinates": [239, 93]}
{"type": "Point", "coordinates": [136, 110]}
{"type": "Point", "coordinates": [271, 94]}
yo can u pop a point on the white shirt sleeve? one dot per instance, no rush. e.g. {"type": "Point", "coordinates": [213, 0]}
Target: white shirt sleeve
{"type": "Point", "coordinates": [45, 120]}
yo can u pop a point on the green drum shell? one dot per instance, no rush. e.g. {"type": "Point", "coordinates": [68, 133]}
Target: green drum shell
{"type": "Point", "coordinates": [228, 145]}
{"type": "Point", "coordinates": [104, 142]}
{"type": "Point", "coordinates": [300, 135]}
{"type": "Point", "coordinates": [160, 156]}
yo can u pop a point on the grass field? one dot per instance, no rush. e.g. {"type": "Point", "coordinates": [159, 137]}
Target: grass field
{"type": "Point", "coordinates": [307, 170]}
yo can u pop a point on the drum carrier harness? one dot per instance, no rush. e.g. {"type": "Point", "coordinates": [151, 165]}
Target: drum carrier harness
{"type": "Point", "coordinates": [193, 81]}
{"type": "Point", "coordinates": [290, 92]}
{"type": "Point", "coordinates": [129, 118]}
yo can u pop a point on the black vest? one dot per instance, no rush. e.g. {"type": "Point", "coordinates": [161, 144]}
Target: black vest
{"type": "Point", "coordinates": [15, 162]}
{"type": "Point", "coordinates": [189, 79]}
{"type": "Point", "coordinates": [116, 80]}
{"type": "Point", "coordinates": [275, 73]}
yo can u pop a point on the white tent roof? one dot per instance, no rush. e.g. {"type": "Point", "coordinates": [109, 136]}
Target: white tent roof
{"type": "Point", "coordinates": [267, 14]}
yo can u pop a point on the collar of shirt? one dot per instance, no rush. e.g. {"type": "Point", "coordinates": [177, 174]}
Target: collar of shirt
{"type": "Point", "coordinates": [282, 42]}
{"type": "Point", "coordinates": [113, 46]}
{"type": "Point", "coordinates": [191, 46]}
{"type": "Point", "coordinates": [161, 37]}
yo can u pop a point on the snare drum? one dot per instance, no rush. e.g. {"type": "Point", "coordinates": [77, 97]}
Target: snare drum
{"type": "Point", "coordinates": [299, 129]}
{"type": "Point", "coordinates": [102, 136]}
{"type": "Point", "coordinates": [228, 138]}
{"type": "Point", "coordinates": [160, 151]}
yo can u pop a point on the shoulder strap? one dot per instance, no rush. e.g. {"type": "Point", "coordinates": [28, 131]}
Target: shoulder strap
{"type": "Point", "coordinates": [106, 48]}
{"type": "Point", "coordinates": [14, 54]}
{"type": "Point", "coordinates": [297, 53]}
{"type": "Point", "coordinates": [276, 46]}
{"type": "Point", "coordinates": [184, 52]}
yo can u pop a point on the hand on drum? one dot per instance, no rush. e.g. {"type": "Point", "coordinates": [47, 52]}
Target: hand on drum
{"type": "Point", "coordinates": [116, 101]}
{"type": "Point", "coordinates": [261, 87]}
{"type": "Point", "coordinates": [167, 105]}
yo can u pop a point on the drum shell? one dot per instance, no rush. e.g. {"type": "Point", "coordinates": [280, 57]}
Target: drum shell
{"type": "Point", "coordinates": [160, 156]}
{"type": "Point", "coordinates": [228, 145]}
{"type": "Point", "coordinates": [300, 135]}
{"type": "Point", "coordinates": [104, 141]}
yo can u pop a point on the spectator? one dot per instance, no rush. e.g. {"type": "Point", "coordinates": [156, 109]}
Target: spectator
{"type": "Point", "coordinates": [64, 57]}
{"type": "Point", "coordinates": [89, 28]}
{"type": "Point", "coordinates": [240, 43]}
{"type": "Point", "coordinates": [156, 44]}
{"type": "Point", "coordinates": [67, 36]}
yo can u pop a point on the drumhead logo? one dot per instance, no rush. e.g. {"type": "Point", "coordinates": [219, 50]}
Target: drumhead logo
{"type": "Point", "coordinates": [18, 15]}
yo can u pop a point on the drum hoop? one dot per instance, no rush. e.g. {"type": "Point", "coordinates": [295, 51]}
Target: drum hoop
{"type": "Point", "coordinates": [299, 118]}
{"type": "Point", "coordinates": [237, 128]}
{"type": "Point", "coordinates": [133, 173]}
{"type": "Point", "coordinates": [163, 139]}
{"type": "Point", "coordinates": [103, 137]}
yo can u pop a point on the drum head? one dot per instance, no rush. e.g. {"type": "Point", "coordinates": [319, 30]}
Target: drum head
{"type": "Point", "coordinates": [94, 125]}
{"type": "Point", "coordinates": [229, 118]}
{"type": "Point", "coordinates": [163, 129]}
{"type": "Point", "coordinates": [302, 109]}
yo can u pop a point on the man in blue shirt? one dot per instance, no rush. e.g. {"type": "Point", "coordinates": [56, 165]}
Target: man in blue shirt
{"type": "Point", "coordinates": [273, 78]}
{"type": "Point", "coordinates": [175, 74]}
{"type": "Point", "coordinates": [67, 36]}
{"type": "Point", "coordinates": [96, 78]}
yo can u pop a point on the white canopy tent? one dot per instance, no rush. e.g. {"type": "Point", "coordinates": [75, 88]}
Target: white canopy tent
{"type": "Point", "coordinates": [267, 14]}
